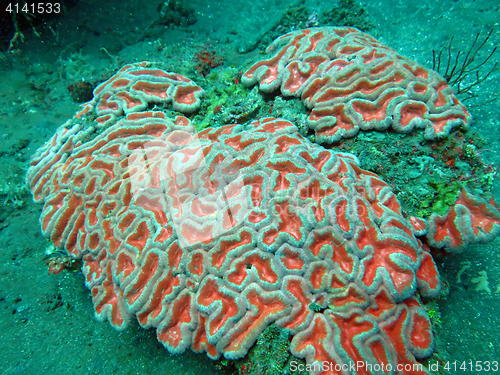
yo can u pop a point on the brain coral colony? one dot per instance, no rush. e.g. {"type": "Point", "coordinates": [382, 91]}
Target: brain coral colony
{"type": "Point", "coordinates": [211, 237]}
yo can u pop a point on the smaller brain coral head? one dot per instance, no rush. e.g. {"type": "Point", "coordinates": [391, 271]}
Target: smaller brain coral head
{"type": "Point", "coordinates": [136, 86]}
{"type": "Point", "coordinates": [352, 82]}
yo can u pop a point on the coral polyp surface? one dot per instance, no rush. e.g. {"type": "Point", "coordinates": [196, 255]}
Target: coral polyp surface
{"type": "Point", "coordinates": [211, 237]}
{"type": "Point", "coordinates": [351, 82]}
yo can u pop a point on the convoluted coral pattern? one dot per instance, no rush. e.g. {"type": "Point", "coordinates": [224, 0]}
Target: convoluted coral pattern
{"type": "Point", "coordinates": [210, 238]}
{"type": "Point", "coordinates": [351, 81]}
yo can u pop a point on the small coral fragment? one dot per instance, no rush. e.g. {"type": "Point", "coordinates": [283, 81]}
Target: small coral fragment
{"type": "Point", "coordinates": [470, 220]}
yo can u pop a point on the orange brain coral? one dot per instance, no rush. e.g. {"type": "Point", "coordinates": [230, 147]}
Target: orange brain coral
{"type": "Point", "coordinates": [212, 237]}
{"type": "Point", "coordinates": [351, 81]}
